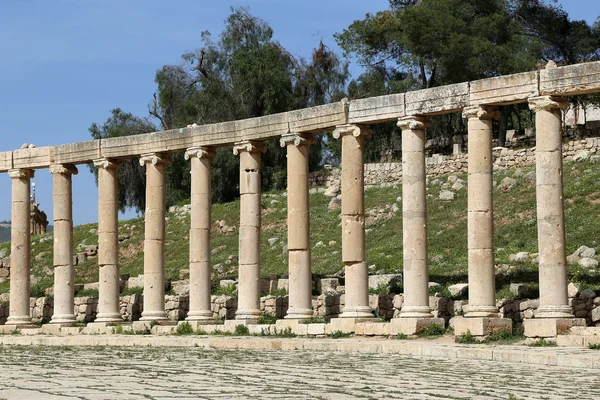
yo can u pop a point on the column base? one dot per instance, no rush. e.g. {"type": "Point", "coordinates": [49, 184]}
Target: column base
{"type": "Point", "coordinates": [481, 326]}
{"type": "Point", "coordinates": [413, 326]}
{"type": "Point", "coordinates": [299, 313]}
{"type": "Point", "coordinates": [481, 312]}
{"type": "Point", "coordinates": [205, 315]}
{"type": "Point", "coordinates": [197, 324]}
{"type": "Point", "coordinates": [348, 324]}
{"type": "Point", "coordinates": [19, 320]}
{"type": "Point", "coordinates": [416, 312]}
{"type": "Point", "coordinates": [554, 312]}
{"type": "Point", "coordinates": [357, 312]}
{"type": "Point", "coordinates": [109, 317]}
{"type": "Point", "coordinates": [248, 314]}
{"type": "Point", "coordinates": [550, 327]}
{"type": "Point", "coordinates": [154, 316]}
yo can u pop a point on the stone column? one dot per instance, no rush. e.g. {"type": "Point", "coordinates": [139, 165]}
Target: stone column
{"type": "Point", "coordinates": [482, 278]}
{"type": "Point", "coordinates": [108, 241]}
{"type": "Point", "coordinates": [353, 221]}
{"type": "Point", "coordinates": [249, 249]}
{"type": "Point", "coordinates": [20, 248]}
{"type": "Point", "coordinates": [299, 256]}
{"type": "Point", "coordinates": [200, 265]}
{"type": "Point", "coordinates": [154, 241]}
{"type": "Point", "coordinates": [550, 211]}
{"type": "Point", "coordinates": [64, 273]}
{"type": "Point", "coordinates": [414, 219]}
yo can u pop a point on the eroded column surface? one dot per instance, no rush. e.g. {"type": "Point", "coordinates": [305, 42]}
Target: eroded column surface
{"type": "Point", "coordinates": [480, 218]}
{"type": "Point", "coordinates": [154, 242]}
{"type": "Point", "coordinates": [200, 264]}
{"type": "Point", "coordinates": [64, 272]}
{"type": "Point", "coordinates": [250, 218]}
{"type": "Point", "coordinates": [108, 241]}
{"type": "Point", "coordinates": [20, 248]}
{"type": "Point", "coordinates": [550, 207]}
{"type": "Point", "coordinates": [353, 221]}
{"type": "Point", "coordinates": [299, 255]}
{"type": "Point", "coordinates": [414, 219]}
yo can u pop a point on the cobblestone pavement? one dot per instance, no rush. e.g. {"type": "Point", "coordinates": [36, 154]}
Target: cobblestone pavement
{"type": "Point", "coordinates": [33, 373]}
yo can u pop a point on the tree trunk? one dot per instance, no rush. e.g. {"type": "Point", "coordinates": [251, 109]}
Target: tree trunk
{"type": "Point", "coordinates": [503, 125]}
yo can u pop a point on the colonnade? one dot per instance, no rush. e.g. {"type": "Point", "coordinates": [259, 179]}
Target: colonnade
{"type": "Point", "coordinates": [481, 315]}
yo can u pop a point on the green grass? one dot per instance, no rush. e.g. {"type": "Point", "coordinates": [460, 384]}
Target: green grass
{"type": "Point", "coordinates": [543, 343]}
{"type": "Point", "coordinates": [515, 231]}
{"type": "Point", "coordinates": [338, 335]}
{"type": "Point", "coordinates": [595, 346]}
{"type": "Point", "coordinates": [432, 330]}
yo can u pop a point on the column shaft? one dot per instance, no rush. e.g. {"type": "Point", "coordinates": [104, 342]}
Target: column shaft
{"type": "Point", "coordinates": [108, 242]}
{"type": "Point", "coordinates": [64, 272]}
{"type": "Point", "coordinates": [414, 219]}
{"type": "Point", "coordinates": [200, 264]}
{"type": "Point", "coordinates": [482, 278]}
{"type": "Point", "coordinates": [299, 256]}
{"type": "Point", "coordinates": [154, 241]}
{"type": "Point", "coordinates": [250, 220]}
{"type": "Point", "coordinates": [353, 221]}
{"type": "Point", "coordinates": [550, 207]}
{"type": "Point", "coordinates": [20, 247]}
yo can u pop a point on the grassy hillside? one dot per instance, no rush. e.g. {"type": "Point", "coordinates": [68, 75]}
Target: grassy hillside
{"type": "Point", "coordinates": [4, 234]}
{"type": "Point", "coordinates": [514, 218]}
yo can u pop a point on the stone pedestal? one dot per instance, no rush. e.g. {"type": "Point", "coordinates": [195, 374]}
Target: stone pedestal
{"type": "Point", "coordinates": [154, 242]}
{"type": "Point", "coordinates": [348, 324]}
{"type": "Point", "coordinates": [353, 221]}
{"type": "Point", "coordinates": [481, 326]}
{"type": "Point", "coordinates": [250, 218]}
{"type": "Point", "coordinates": [300, 266]}
{"type": "Point", "coordinates": [108, 241]}
{"type": "Point", "coordinates": [200, 264]}
{"type": "Point", "coordinates": [413, 326]}
{"type": "Point", "coordinates": [480, 227]}
{"type": "Point", "coordinates": [550, 327]}
{"type": "Point", "coordinates": [550, 207]}
{"type": "Point", "coordinates": [20, 248]}
{"type": "Point", "coordinates": [414, 221]}
{"type": "Point", "coordinates": [64, 272]}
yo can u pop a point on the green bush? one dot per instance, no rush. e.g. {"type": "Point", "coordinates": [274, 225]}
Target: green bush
{"type": "Point", "coordinates": [185, 328]}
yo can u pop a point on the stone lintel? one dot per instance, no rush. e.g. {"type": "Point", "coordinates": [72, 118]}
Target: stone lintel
{"type": "Point", "coordinates": [550, 327]}
{"type": "Point", "coordinates": [413, 123]}
{"type": "Point", "coordinates": [350, 129]}
{"type": "Point", "coordinates": [250, 146]}
{"type": "Point", "coordinates": [481, 326]}
{"type": "Point", "coordinates": [413, 326]}
{"type": "Point", "coordinates": [547, 103]}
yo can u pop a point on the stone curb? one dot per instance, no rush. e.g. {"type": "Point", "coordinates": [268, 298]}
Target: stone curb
{"type": "Point", "coordinates": [561, 357]}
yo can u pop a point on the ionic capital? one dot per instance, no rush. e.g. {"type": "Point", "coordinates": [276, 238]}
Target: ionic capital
{"type": "Point", "coordinates": [63, 169]}
{"type": "Point", "coordinates": [297, 139]}
{"type": "Point", "coordinates": [547, 103]}
{"type": "Point", "coordinates": [107, 163]}
{"type": "Point", "coordinates": [413, 123]}
{"type": "Point", "coordinates": [481, 112]}
{"type": "Point", "coordinates": [199, 152]}
{"type": "Point", "coordinates": [250, 146]}
{"type": "Point", "coordinates": [154, 159]}
{"type": "Point", "coordinates": [22, 173]}
{"type": "Point", "coordinates": [354, 130]}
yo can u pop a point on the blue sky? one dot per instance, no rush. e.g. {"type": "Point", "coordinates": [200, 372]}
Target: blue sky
{"type": "Point", "coordinates": [66, 63]}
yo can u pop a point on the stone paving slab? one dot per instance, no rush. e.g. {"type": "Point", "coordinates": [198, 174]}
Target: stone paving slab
{"type": "Point", "coordinates": [441, 348]}
{"type": "Point", "coordinates": [37, 372]}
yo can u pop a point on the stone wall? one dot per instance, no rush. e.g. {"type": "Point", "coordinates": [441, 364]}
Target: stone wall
{"type": "Point", "coordinates": [504, 158]}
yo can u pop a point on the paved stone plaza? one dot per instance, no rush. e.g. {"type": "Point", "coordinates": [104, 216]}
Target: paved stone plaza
{"type": "Point", "coordinates": [47, 373]}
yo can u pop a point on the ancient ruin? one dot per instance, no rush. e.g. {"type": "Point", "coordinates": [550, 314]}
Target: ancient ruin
{"type": "Point", "coordinates": [349, 121]}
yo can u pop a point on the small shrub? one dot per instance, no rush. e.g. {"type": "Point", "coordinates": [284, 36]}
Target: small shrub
{"type": "Point", "coordinates": [267, 319]}
{"type": "Point", "coordinates": [279, 292]}
{"type": "Point", "coordinates": [543, 343]}
{"type": "Point", "coordinates": [241, 330]}
{"type": "Point", "coordinates": [467, 338]}
{"type": "Point", "coordinates": [227, 290]}
{"type": "Point", "coordinates": [313, 320]}
{"type": "Point", "coordinates": [132, 291]}
{"type": "Point", "coordinates": [37, 291]}
{"type": "Point", "coordinates": [87, 293]}
{"type": "Point", "coordinates": [287, 332]}
{"type": "Point", "coordinates": [595, 346]}
{"type": "Point", "coordinates": [382, 288]}
{"type": "Point", "coordinates": [338, 335]}
{"type": "Point", "coordinates": [185, 328]}
{"type": "Point", "coordinates": [401, 336]}
{"type": "Point", "coordinates": [432, 330]}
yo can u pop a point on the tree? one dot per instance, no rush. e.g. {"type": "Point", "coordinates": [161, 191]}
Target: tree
{"type": "Point", "coordinates": [132, 177]}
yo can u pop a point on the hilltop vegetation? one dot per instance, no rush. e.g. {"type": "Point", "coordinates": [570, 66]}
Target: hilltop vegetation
{"type": "Point", "coordinates": [515, 223]}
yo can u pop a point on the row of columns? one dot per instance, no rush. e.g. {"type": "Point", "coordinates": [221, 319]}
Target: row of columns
{"type": "Point", "coordinates": [552, 268]}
